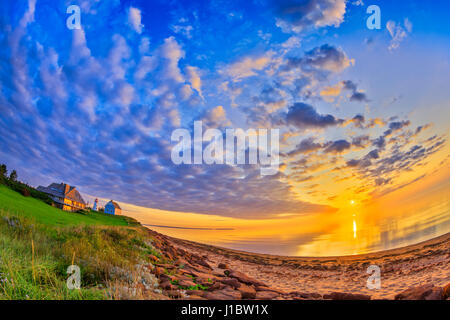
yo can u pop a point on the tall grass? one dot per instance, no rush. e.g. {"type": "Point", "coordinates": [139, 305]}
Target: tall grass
{"type": "Point", "coordinates": [34, 256]}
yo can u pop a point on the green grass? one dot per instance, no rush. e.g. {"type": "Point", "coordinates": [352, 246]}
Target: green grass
{"type": "Point", "coordinates": [38, 243]}
{"type": "Point", "coordinates": [16, 204]}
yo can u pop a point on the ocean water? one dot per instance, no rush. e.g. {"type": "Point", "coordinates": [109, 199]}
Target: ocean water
{"type": "Point", "coordinates": [387, 224]}
{"type": "Point", "coordinates": [355, 236]}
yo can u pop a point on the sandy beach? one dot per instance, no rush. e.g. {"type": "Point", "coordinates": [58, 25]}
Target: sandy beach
{"type": "Point", "coordinates": [426, 263]}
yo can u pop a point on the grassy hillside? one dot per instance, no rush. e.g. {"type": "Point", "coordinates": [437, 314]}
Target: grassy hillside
{"type": "Point", "coordinates": [16, 204]}
{"type": "Point", "coordinates": [38, 243]}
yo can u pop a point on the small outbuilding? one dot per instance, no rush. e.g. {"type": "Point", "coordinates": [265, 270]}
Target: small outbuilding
{"type": "Point", "coordinates": [113, 207]}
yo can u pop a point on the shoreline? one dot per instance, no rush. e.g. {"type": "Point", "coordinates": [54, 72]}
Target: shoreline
{"type": "Point", "coordinates": [439, 239]}
{"type": "Point", "coordinates": [415, 266]}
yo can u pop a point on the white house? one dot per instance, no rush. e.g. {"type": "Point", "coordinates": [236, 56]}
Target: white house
{"type": "Point", "coordinates": [113, 208]}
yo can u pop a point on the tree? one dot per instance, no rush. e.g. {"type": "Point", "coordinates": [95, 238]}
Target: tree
{"type": "Point", "coordinates": [3, 170]}
{"type": "Point", "coordinates": [13, 175]}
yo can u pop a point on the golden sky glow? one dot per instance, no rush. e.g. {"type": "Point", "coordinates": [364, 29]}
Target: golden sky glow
{"type": "Point", "coordinates": [358, 226]}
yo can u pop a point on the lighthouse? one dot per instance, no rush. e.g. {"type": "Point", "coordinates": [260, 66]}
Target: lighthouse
{"type": "Point", "coordinates": [95, 204]}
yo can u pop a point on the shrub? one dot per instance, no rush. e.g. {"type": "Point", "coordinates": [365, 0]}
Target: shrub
{"type": "Point", "coordinates": [26, 192]}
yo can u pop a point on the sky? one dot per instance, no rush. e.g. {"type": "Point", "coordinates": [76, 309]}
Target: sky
{"type": "Point", "coordinates": [363, 114]}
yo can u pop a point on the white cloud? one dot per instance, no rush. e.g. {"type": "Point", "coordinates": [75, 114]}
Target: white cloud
{"type": "Point", "coordinates": [183, 30]}
{"type": "Point", "coordinates": [79, 49]}
{"type": "Point", "coordinates": [194, 78]}
{"type": "Point", "coordinates": [292, 42]}
{"type": "Point", "coordinates": [408, 25]}
{"type": "Point", "coordinates": [19, 76]}
{"type": "Point", "coordinates": [398, 32]}
{"type": "Point", "coordinates": [216, 118]}
{"type": "Point", "coordinates": [296, 16]}
{"type": "Point", "coordinates": [144, 46]}
{"type": "Point", "coordinates": [28, 17]}
{"type": "Point", "coordinates": [134, 19]}
{"type": "Point", "coordinates": [145, 66]}
{"type": "Point", "coordinates": [118, 56]}
{"type": "Point", "coordinates": [171, 51]}
{"type": "Point", "coordinates": [125, 95]}
{"type": "Point", "coordinates": [185, 92]}
{"type": "Point", "coordinates": [248, 66]}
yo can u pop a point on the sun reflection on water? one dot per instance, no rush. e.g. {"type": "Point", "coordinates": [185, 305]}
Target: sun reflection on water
{"type": "Point", "coordinates": [357, 228]}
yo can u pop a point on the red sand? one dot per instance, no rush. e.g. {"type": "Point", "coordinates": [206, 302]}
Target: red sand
{"type": "Point", "coordinates": [423, 263]}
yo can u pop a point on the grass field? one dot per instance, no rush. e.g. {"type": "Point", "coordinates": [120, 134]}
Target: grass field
{"type": "Point", "coordinates": [38, 211]}
{"type": "Point", "coordinates": [39, 242]}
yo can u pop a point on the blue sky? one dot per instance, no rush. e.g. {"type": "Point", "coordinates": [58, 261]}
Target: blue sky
{"type": "Point", "coordinates": [96, 107]}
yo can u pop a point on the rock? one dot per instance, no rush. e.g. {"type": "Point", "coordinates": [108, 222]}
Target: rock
{"type": "Point", "coordinates": [12, 222]}
{"type": "Point", "coordinates": [446, 292]}
{"type": "Point", "coordinates": [199, 293]}
{"type": "Point", "coordinates": [168, 256]}
{"type": "Point", "coordinates": [314, 295]}
{"type": "Point", "coordinates": [199, 268]}
{"type": "Point", "coordinates": [247, 292]}
{"type": "Point", "coordinates": [165, 277]}
{"type": "Point", "coordinates": [218, 274]}
{"type": "Point", "coordinates": [243, 278]}
{"type": "Point", "coordinates": [225, 294]}
{"type": "Point", "coordinates": [346, 296]}
{"type": "Point", "coordinates": [203, 263]}
{"type": "Point", "coordinates": [166, 266]}
{"type": "Point", "coordinates": [222, 266]}
{"type": "Point", "coordinates": [186, 283]}
{"type": "Point", "coordinates": [266, 295]}
{"type": "Point", "coordinates": [232, 282]}
{"type": "Point", "coordinates": [308, 296]}
{"type": "Point", "coordinates": [205, 281]}
{"type": "Point", "coordinates": [166, 285]}
{"type": "Point", "coordinates": [264, 288]}
{"type": "Point", "coordinates": [217, 286]}
{"type": "Point", "coordinates": [188, 269]}
{"type": "Point", "coordinates": [158, 271]}
{"type": "Point", "coordinates": [153, 258]}
{"type": "Point", "coordinates": [181, 263]}
{"type": "Point", "coordinates": [180, 277]}
{"type": "Point", "coordinates": [194, 297]}
{"type": "Point", "coordinates": [425, 292]}
{"type": "Point", "coordinates": [204, 275]}
{"type": "Point", "coordinates": [173, 294]}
